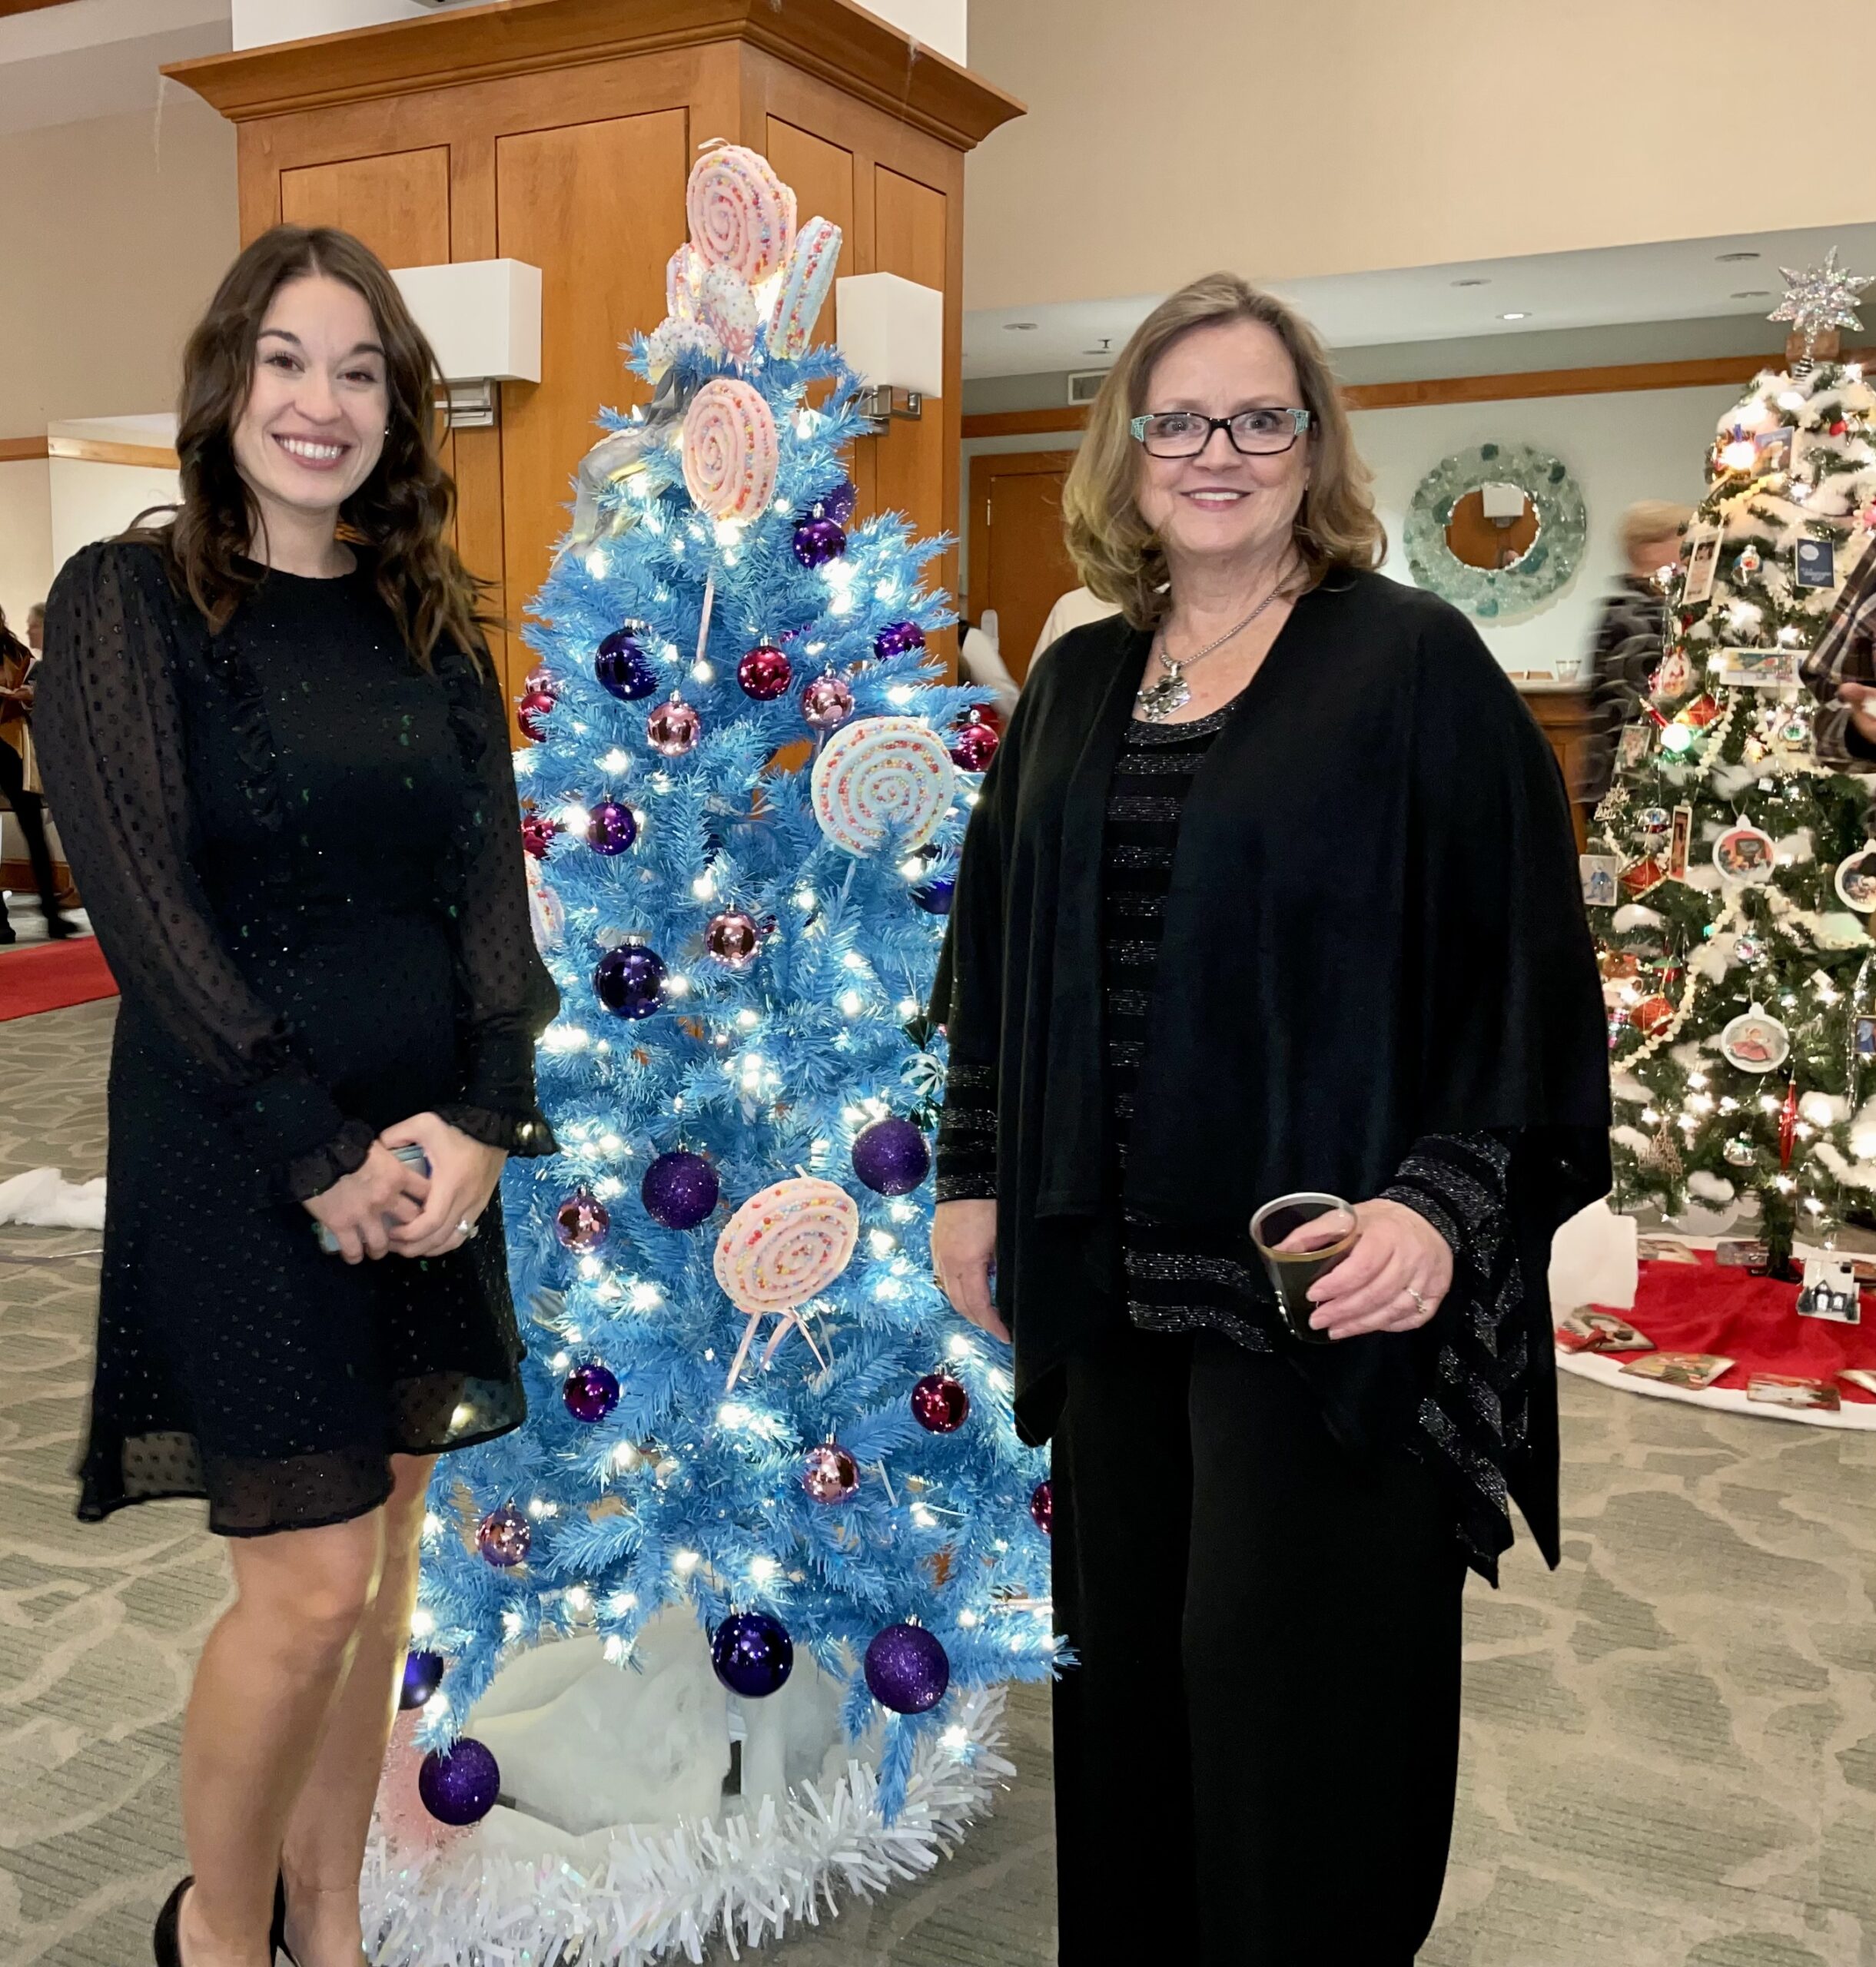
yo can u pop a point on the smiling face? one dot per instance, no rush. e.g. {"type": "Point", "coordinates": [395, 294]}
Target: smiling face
{"type": "Point", "coordinates": [313, 428]}
{"type": "Point", "coordinates": [1219, 506]}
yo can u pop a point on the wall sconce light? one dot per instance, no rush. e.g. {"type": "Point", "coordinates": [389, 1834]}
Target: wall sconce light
{"type": "Point", "coordinates": [892, 335]}
{"type": "Point", "coordinates": [483, 318]}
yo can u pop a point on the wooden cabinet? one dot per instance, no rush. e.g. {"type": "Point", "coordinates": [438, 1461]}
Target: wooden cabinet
{"type": "Point", "coordinates": [1564, 716]}
{"type": "Point", "coordinates": [561, 132]}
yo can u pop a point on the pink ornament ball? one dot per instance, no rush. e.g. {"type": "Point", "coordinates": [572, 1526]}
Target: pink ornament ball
{"type": "Point", "coordinates": [541, 679]}
{"type": "Point", "coordinates": [733, 938]}
{"type": "Point", "coordinates": [532, 713]}
{"type": "Point", "coordinates": [764, 673]}
{"type": "Point", "coordinates": [581, 1222]}
{"type": "Point", "coordinates": [672, 728]}
{"type": "Point", "coordinates": [537, 834]}
{"type": "Point", "coordinates": [828, 701]}
{"type": "Point", "coordinates": [503, 1537]}
{"type": "Point", "coordinates": [590, 1391]}
{"type": "Point", "coordinates": [940, 1404]}
{"type": "Point", "coordinates": [974, 745]}
{"type": "Point", "coordinates": [1042, 1507]}
{"type": "Point", "coordinates": [829, 1473]}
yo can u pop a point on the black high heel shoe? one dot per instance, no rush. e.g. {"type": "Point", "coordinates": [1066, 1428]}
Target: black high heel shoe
{"type": "Point", "coordinates": [165, 1940]}
{"type": "Point", "coordinates": [277, 1934]}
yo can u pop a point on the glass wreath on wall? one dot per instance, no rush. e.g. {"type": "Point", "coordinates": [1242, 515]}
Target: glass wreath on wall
{"type": "Point", "coordinates": [1498, 530]}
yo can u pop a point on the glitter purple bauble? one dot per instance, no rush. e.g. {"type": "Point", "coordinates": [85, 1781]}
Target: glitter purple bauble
{"type": "Point", "coordinates": [840, 504]}
{"type": "Point", "coordinates": [629, 980]}
{"type": "Point", "coordinates": [537, 833]}
{"type": "Point", "coordinates": [1042, 1507]}
{"type": "Point", "coordinates": [818, 541]}
{"type": "Point", "coordinates": [828, 701]}
{"type": "Point", "coordinates": [623, 667]}
{"type": "Point", "coordinates": [503, 1536]}
{"type": "Point", "coordinates": [764, 673]}
{"type": "Point", "coordinates": [611, 826]}
{"type": "Point", "coordinates": [581, 1221]}
{"type": "Point", "coordinates": [733, 938]}
{"type": "Point", "coordinates": [423, 1675]}
{"type": "Point", "coordinates": [679, 1189]}
{"type": "Point", "coordinates": [532, 714]}
{"type": "Point", "coordinates": [891, 1156]}
{"type": "Point", "coordinates": [940, 1404]}
{"type": "Point", "coordinates": [672, 728]}
{"type": "Point", "coordinates": [974, 745]}
{"type": "Point", "coordinates": [829, 1473]}
{"type": "Point", "coordinates": [590, 1392]}
{"type": "Point", "coordinates": [898, 638]}
{"type": "Point", "coordinates": [460, 1785]}
{"type": "Point", "coordinates": [907, 1670]}
{"type": "Point", "coordinates": [753, 1654]}
{"type": "Point", "coordinates": [934, 897]}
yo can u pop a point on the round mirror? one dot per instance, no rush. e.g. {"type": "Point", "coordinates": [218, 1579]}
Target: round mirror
{"type": "Point", "coordinates": [1492, 528]}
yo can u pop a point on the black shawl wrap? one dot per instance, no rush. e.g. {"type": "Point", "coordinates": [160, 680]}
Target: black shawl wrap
{"type": "Point", "coordinates": [1375, 932]}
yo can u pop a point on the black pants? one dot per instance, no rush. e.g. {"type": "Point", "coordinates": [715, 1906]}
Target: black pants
{"type": "Point", "coordinates": [1256, 1755]}
{"type": "Point", "coordinates": [29, 809]}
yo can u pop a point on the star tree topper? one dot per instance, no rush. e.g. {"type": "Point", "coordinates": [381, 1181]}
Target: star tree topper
{"type": "Point", "coordinates": [1820, 298]}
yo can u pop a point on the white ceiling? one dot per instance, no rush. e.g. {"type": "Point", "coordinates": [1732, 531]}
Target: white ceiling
{"type": "Point", "coordinates": [1676, 280]}
{"type": "Point", "coordinates": [99, 58]}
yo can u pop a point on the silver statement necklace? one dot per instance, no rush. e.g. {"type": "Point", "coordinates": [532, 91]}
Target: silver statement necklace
{"type": "Point", "coordinates": [1160, 701]}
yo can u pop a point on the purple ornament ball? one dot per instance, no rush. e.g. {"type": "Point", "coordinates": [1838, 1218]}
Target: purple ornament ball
{"type": "Point", "coordinates": [840, 504]}
{"type": "Point", "coordinates": [829, 1473]}
{"type": "Point", "coordinates": [733, 938]}
{"type": "Point", "coordinates": [423, 1675]}
{"type": "Point", "coordinates": [623, 667]}
{"type": "Point", "coordinates": [753, 1654]}
{"type": "Point", "coordinates": [934, 897]}
{"type": "Point", "coordinates": [679, 1189]}
{"type": "Point", "coordinates": [629, 981]}
{"type": "Point", "coordinates": [532, 714]}
{"type": "Point", "coordinates": [828, 701]}
{"type": "Point", "coordinates": [891, 1156]}
{"type": "Point", "coordinates": [590, 1391]}
{"type": "Point", "coordinates": [611, 826]}
{"type": "Point", "coordinates": [940, 1404]}
{"type": "Point", "coordinates": [672, 728]}
{"type": "Point", "coordinates": [460, 1785]}
{"type": "Point", "coordinates": [764, 673]}
{"type": "Point", "coordinates": [907, 1670]}
{"type": "Point", "coordinates": [581, 1221]}
{"type": "Point", "coordinates": [818, 541]}
{"type": "Point", "coordinates": [503, 1537]}
{"type": "Point", "coordinates": [1042, 1507]}
{"type": "Point", "coordinates": [898, 638]}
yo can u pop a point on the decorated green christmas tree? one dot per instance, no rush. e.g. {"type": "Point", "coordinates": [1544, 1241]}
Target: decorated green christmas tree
{"type": "Point", "coordinates": [1730, 874]}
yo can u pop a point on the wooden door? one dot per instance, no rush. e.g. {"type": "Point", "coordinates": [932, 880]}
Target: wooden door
{"type": "Point", "coordinates": [1019, 564]}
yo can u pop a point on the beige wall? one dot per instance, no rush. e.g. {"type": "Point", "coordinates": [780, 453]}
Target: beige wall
{"type": "Point", "coordinates": [25, 537]}
{"type": "Point", "coordinates": [112, 236]}
{"type": "Point", "coordinates": [1287, 138]}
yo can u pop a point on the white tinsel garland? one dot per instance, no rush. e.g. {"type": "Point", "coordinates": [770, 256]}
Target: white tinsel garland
{"type": "Point", "coordinates": [736, 1880]}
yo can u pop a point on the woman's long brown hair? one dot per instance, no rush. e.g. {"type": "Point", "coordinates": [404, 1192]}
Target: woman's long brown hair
{"type": "Point", "coordinates": [401, 512]}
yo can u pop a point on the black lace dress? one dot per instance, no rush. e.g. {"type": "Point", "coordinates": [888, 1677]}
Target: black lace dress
{"type": "Point", "coordinates": [300, 853]}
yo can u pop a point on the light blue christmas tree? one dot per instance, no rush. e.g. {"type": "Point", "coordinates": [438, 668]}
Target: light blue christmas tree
{"type": "Point", "coordinates": [744, 943]}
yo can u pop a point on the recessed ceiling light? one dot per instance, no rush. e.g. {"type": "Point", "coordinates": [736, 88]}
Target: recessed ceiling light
{"type": "Point", "coordinates": [1753, 293]}
{"type": "Point", "coordinates": [1519, 314]}
{"type": "Point", "coordinates": [1471, 283]}
{"type": "Point", "coordinates": [1018, 327]}
{"type": "Point", "coordinates": [1732, 259]}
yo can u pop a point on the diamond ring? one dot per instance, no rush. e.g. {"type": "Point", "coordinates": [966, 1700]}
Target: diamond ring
{"type": "Point", "coordinates": [465, 1228]}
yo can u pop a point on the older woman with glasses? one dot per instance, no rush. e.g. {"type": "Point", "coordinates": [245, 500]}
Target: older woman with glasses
{"type": "Point", "coordinates": [1271, 888]}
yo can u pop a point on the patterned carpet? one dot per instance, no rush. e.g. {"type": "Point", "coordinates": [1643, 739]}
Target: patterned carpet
{"type": "Point", "coordinates": [1671, 1743]}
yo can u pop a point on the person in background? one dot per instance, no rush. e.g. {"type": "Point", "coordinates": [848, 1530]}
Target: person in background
{"type": "Point", "coordinates": [19, 776]}
{"type": "Point", "coordinates": [1840, 671]}
{"type": "Point", "coordinates": [1629, 632]}
{"type": "Point", "coordinates": [981, 661]}
{"type": "Point", "coordinates": [1077, 605]}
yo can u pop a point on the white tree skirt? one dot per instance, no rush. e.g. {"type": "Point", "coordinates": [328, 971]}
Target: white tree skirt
{"type": "Point", "coordinates": [621, 1848]}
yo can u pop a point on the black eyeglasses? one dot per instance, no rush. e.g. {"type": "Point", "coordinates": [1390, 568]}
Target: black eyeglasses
{"type": "Point", "coordinates": [1253, 433]}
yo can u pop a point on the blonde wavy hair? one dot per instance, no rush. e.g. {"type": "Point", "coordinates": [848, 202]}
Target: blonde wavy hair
{"type": "Point", "coordinates": [1115, 551]}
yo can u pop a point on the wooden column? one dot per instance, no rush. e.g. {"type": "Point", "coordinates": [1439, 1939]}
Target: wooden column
{"type": "Point", "coordinates": [561, 132]}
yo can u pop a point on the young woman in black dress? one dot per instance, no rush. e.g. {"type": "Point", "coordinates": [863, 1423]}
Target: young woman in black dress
{"type": "Point", "coordinates": [272, 733]}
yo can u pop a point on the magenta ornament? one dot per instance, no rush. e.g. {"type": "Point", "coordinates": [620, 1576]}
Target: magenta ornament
{"type": "Point", "coordinates": [1042, 1507]}
{"type": "Point", "coordinates": [898, 638]}
{"type": "Point", "coordinates": [907, 1669]}
{"type": "Point", "coordinates": [611, 826]}
{"type": "Point", "coordinates": [581, 1222]}
{"type": "Point", "coordinates": [829, 1473]}
{"type": "Point", "coordinates": [891, 1156]}
{"type": "Point", "coordinates": [629, 980]}
{"type": "Point", "coordinates": [764, 673]}
{"type": "Point", "coordinates": [974, 745]}
{"type": "Point", "coordinates": [532, 713]}
{"type": "Point", "coordinates": [818, 541]}
{"type": "Point", "coordinates": [733, 938]}
{"type": "Point", "coordinates": [680, 1189]}
{"type": "Point", "coordinates": [672, 728]}
{"type": "Point", "coordinates": [541, 679]}
{"type": "Point", "coordinates": [590, 1391]}
{"type": "Point", "coordinates": [940, 1404]}
{"type": "Point", "coordinates": [503, 1536]}
{"type": "Point", "coordinates": [459, 1785]}
{"type": "Point", "coordinates": [537, 834]}
{"type": "Point", "coordinates": [828, 701]}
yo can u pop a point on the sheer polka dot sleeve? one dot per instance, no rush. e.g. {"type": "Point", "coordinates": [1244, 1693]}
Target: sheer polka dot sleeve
{"type": "Point", "coordinates": [109, 728]}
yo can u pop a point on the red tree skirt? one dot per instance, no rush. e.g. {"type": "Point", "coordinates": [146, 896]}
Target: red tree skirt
{"type": "Point", "coordinates": [49, 976]}
{"type": "Point", "coordinates": [1706, 1307]}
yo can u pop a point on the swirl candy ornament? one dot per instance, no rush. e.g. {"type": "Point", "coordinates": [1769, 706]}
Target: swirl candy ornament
{"type": "Point", "coordinates": [730, 450]}
{"type": "Point", "coordinates": [741, 215]}
{"type": "Point", "coordinates": [684, 284]}
{"type": "Point", "coordinates": [785, 1244]}
{"type": "Point", "coordinates": [881, 774]}
{"type": "Point", "coordinates": [806, 285]}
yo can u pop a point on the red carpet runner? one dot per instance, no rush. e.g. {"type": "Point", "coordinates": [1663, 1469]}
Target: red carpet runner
{"type": "Point", "coordinates": [48, 976]}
